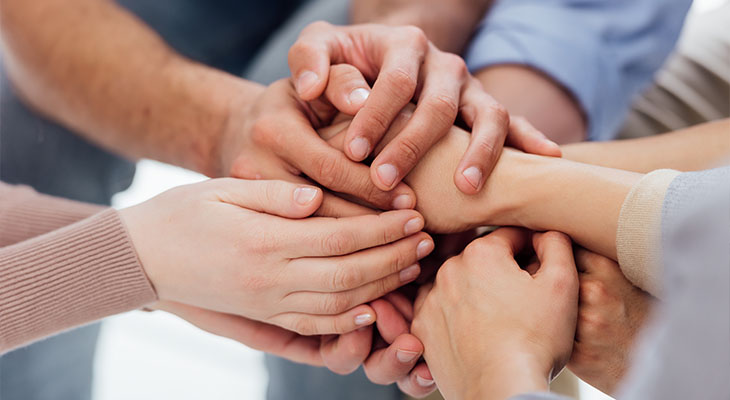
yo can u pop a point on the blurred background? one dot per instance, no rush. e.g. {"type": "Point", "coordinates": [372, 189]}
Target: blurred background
{"type": "Point", "coordinates": [155, 355]}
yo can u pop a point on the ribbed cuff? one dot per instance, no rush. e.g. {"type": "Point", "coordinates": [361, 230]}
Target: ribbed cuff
{"type": "Point", "coordinates": [69, 277]}
{"type": "Point", "coordinates": [25, 214]}
{"type": "Point", "coordinates": [638, 239]}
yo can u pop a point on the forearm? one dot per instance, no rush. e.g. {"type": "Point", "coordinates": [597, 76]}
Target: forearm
{"type": "Point", "coordinates": [709, 144]}
{"type": "Point", "coordinates": [533, 95]}
{"type": "Point", "coordinates": [100, 71]}
{"type": "Point", "coordinates": [448, 24]}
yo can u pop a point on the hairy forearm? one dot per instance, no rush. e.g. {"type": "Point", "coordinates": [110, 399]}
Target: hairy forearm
{"type": "Point", "coordinates": [700, 147]}
{"type": "Point", "coordinates": [98, 70]}
{"type": "Point", "coordinates": [533, 95]}
{"type": "Point", "coordinates": [448, 24]}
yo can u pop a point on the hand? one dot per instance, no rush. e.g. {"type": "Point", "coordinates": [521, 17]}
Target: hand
{"type": "Point", "coordinates": [394, 356]}
{"type": "Point", "coordinates": [240, 247]}
{"type": "Point", "coordinates": [611, 313]}
{"type": "Point", "coordinates": [497, 205]}
{"type": "Point", "coordinates": [406, 67]}
{"type": "Point", "coordinates": [493, 330]}
{"type": "Point", "coordinates": [274, 138]}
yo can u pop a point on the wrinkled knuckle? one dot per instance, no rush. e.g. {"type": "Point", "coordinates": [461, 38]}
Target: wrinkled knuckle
{"type": "Point", "coordinates": [409, 151]}
{"type": "Point", "coordinates": [593, 291]}
{"type": "Point", "coordinates": [499, 114]}
{"type": "Point", "coordinates": [303, 326]}
{"type": "Point", "coordinates": [415, 35]}
{"type": "Point", "coordinates": [335, 303]}
{"type": "Point", "coordinates": [591, 324]}
{"type": "Point", "coordinates": [337, 243]}
{"type": "Point", "coordinates": [347, 278]}
{"type": "Point", "coordinates": [328, 169]}
{"type": "Point", "coordinates": [444, 108]}
{"type": "Point", "coordinates": [401, 81]}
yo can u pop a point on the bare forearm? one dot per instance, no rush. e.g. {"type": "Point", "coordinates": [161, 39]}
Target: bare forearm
{"type": "Point", "coordinates": [448, 24]}
{"type": "Point", "coordinates": [100, 71]}
{"type": "Point", "coordinates": [700, 147]}
{"type": "Point", "coordinates": [533, 95]}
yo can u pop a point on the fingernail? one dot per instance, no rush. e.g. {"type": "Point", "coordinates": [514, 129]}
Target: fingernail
{"type": "Point", "coordinates": [473, 176]}
{"type": "Point", "coordinates": [403, 202]}
{"type": "Point", "coordinates": [306, 81]}
{"type": "Point", "coordinates": [410, 273]}
{"type": "Point", "coordinates": [364, 319]}
{"type": "Point", "coordinates": [406, 356]}
{"type": "Point", "coordinates": [358, 96]}
{"type": "Point", "coordinates": [412, 226]}
{"type": "Point", "coordinates": [387, 174]}
{"type": "Point", "coordinates": [304, 195]}
{"type": "Point", "coordinates": [424, 248]}
{"type": "Point", "coordinates": [360, 148]}
{"type": "Point", "coordinates": [423, 381]}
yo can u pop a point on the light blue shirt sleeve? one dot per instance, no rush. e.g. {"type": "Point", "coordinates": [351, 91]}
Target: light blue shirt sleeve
{"type": "Point", "coordinates": [602, 51]}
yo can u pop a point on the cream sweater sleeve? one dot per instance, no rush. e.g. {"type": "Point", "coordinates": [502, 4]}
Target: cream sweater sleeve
{"type": "Point", "coordinates": [638, 239]}
{"type": "Point", "coordinates": [67, 277]}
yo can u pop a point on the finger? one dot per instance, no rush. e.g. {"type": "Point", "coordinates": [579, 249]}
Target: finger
{"type": "Point", "coordinates": [391, 323]}
{"type": "Point", "coordinates": [524, 136]}
{"type": "Point", "coordinates": [343, 275]}
{"type": "Point", "coordinates": [343, 354]}
{"type": "Point", "coordinates": [419, 383]}
{"type": "Point", "coordinates": [436, 111]}
{"type": "Point", "coordinates": [393, 89]}
{"type": "Point", "coordinates": [308, 324]}
{"type": "Point", "coordinates": [257, 335]}
{"type": "Point", "coordinates": [583, 260]}
{"type": "Point", "coordinates": [334, 206]}
{"type": "Point", "coordinates": [280, 198]}
{"type": "Point", "coordinates": [394, 362]}
{"type": "Point", "coordinates": [347, 90]}
{"type": "Point", "coordinates": [504, 242]}
{"type": "Point", "coordinates": [325, 237]}
{"type": "Point", "coordinates": [309, 59]}
{"type": "Point", "coordinates": [333, 303]}
{"type": "Point", "coordinates": [332, 169]}
{"type": "Point", "coordinates": [489, 121]}
{"type": "Point", "coordinates": [401, 304]}
{"type": "Point", "coordinates": [555, 252]}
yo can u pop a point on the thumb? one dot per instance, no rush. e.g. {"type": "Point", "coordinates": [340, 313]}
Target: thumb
{"type": "Point", "coordinates": [284, 199]}
{"type": "Point", "coordinates": [555, 252]}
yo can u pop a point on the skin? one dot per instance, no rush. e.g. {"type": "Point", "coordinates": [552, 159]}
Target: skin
{"type": "Point", "coordinates": [611, 314]}
{"type": "Point", "coordinates": [492, 330]}
{"type": "Point", "coordinates": [244, 247]}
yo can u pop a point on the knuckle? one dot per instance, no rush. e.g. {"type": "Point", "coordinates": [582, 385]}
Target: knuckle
{"type": "Point", "coordinates": [263, 130]}
{"type": "Point", "coordinates": [477, 249]}
{"type": "Point", "coordinates": [408, 150]}
{"type": "Point", "coordinates": [593, 291]}
{"type": "Point", "coordinates": [401, 81]}
{"type": "Point", "coordinates": [347, 278]}
{"type": "Point", "coordinates": [591, 324]}
{"type": "Point", "coordinates": [303, 326]}
{"type": "Point", "coordinates": [415, 35]}
{"type": "Point", "coordinates": [444, 108]}
{"type": "Point", "coordinates": [328, 169]}
{"type": "Point", "coordinates": [334, 303]}
{"type": "Point", "coordinates": [498, 113]}
{"type": "Point", "coordinates": [337, 243]}
{"type": "Point", "coordinates": [455, 63]}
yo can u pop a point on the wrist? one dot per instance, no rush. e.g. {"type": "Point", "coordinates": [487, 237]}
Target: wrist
{"type": "Point", "coordinates": [510, 375]}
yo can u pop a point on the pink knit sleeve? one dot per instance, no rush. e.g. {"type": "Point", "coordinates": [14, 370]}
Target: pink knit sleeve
{"type": "Point", "coordinates": [67, 277]}
{"type": "Point", "coordinates": [24, 213]}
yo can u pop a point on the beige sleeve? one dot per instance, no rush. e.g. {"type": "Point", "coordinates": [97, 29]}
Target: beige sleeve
{"type": "Point", "coordinates": [638, 239]}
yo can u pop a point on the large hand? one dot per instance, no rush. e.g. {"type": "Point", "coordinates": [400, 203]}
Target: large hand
{"type": "Point", "coordinates": [611, 313]}
{"type": "Point", "coordinates": [493, 330]}
{"type": "Point", "coordinates": [275, 139]}
{"type": "Point", "coordinates": [406, 67]}
{"type": "Point", "coordinates": [239, 247]}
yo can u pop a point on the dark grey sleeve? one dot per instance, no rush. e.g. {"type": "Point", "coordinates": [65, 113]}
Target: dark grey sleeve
{"type": "Point", "coordinates": [685, 354]}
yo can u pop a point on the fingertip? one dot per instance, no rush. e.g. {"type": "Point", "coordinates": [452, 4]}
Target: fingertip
{"type": "Point", "coordinates": [308, 198]}
{"type": "Point", "coordinates": [309, 85]}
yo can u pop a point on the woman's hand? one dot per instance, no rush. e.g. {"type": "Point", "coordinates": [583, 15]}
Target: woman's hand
{"type": "Point", "coordinates": [611, 313]}
{"type": "Point", "coordinates": [240, 247]}
{"type": "Point", "coordinates": [492, 330]}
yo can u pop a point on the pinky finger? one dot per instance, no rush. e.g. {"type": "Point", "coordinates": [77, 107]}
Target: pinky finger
{"type": "Point", "coordinates": [309, 324]}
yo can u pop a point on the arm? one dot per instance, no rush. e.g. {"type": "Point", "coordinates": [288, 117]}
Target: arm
{"type": "Point", "coordinates": [709, 144]}
{"type": "Point", "coordinates": [586, 60]}
{"type": "Point", "coordinates": [100, 71]}
{"type": "Point", "coordinates": [448, 24]}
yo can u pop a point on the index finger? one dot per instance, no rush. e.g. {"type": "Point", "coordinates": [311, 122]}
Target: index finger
{"type": "Point", "coordinates": [555, 252]}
